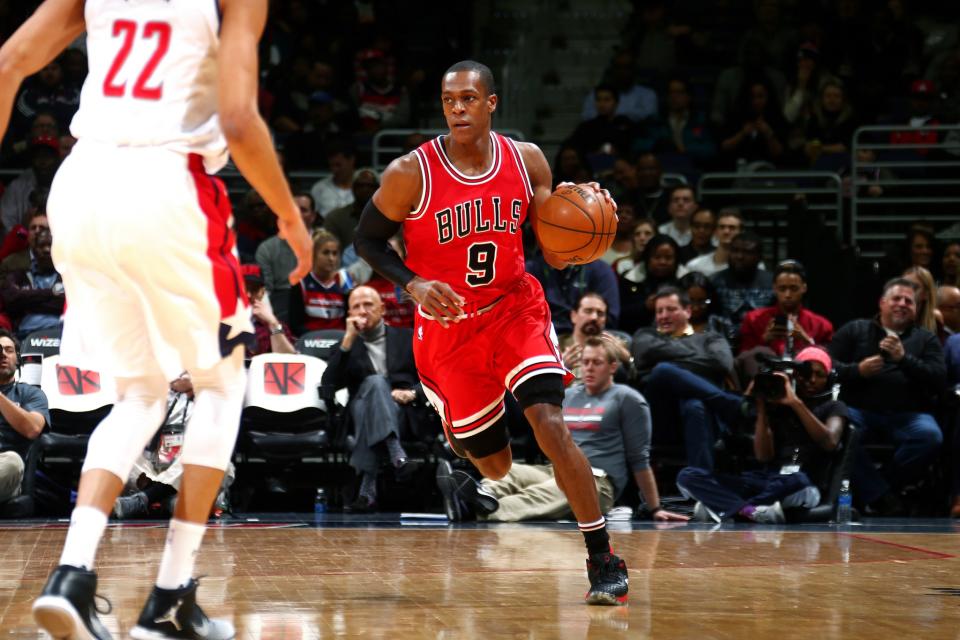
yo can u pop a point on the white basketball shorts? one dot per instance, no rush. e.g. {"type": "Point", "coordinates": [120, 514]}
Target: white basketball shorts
{"type": "Point", "coordinates": [142, 237]}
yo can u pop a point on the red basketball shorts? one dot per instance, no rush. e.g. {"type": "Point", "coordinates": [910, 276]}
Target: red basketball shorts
{"type": "Point", "coordinates": [466, 367]}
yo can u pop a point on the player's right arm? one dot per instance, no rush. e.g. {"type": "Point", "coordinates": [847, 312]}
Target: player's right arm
{"type": "Point", "coordinates": [247, 135]}
{"type": "Point", "coordinates": [381, 219]}
{"type": "Point", "coordinates": [54, 25]}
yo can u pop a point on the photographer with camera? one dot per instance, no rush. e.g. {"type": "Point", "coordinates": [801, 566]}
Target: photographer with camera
{"type": "Point", "coordinates": [891, 371]}
{"type": "Point", "coordinates": [797, 426]}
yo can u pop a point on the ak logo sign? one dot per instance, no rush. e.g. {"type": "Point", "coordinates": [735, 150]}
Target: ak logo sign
{"type": "Point", "coordinates": [284, 378]}
{"type": "Point", "coordinates": [77, 382]}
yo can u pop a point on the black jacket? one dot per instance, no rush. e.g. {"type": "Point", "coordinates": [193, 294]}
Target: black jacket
{"type": "Point", "coordinates": [350, 368]}
{"type": "Point", "coordinates": [909, 385]}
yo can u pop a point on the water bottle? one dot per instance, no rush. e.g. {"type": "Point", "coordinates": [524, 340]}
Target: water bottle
{"type": "Point", "coordinates": [320, 502]}
{"type": "Point", "coordinates": [844, 503]}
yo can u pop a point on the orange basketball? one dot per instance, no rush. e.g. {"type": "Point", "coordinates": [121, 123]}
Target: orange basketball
{"type": "Point", "coordinates": [575, 225]}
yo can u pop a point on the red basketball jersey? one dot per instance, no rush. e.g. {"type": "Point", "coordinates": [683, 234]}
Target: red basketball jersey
{"type": "Point", "coordinates": [466, 230]}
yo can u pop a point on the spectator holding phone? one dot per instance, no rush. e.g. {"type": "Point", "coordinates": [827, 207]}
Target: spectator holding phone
{"type": "Point", "coordinates": [786, 327]}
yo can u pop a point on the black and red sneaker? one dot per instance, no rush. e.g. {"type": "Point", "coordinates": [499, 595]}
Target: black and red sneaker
{"type": "Point", "coordinates": [452, 441]}
{"type": "Point", "coordinates": [608, 580]}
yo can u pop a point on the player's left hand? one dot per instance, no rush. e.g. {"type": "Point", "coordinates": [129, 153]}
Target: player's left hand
{"type": "Point", "coordinates": [604, 195]}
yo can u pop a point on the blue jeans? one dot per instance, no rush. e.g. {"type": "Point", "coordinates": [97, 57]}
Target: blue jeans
{"type": "Point", "coordinates": [917, 438]}
{"type": "Point", "coordinates": [679, 397]}
{"type": "Point", "coordinates": [726, 494]}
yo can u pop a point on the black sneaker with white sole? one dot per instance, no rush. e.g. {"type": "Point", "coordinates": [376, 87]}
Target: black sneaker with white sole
{"type": "Point", "coordinates": [173, 614]}
{"type": "Point", "coordinates": [66, 609]}
{"type": "Point", "coordinates": [448, 489]}
{"type": "Point", "coordinates": [474, 494]}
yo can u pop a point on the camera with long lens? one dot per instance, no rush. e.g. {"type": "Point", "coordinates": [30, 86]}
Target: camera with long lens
{"type": "Point", "coordinates": [768, 386]}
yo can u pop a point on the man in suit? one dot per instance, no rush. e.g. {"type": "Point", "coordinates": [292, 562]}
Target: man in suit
{"type": "Point", "coordinates": [375, 363]}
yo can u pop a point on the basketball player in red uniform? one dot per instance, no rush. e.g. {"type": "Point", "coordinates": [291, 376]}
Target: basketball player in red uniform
{"type": "Point", "coordinates": [154, 289]}
{"type": "Point", "coordinates": [482, 323]}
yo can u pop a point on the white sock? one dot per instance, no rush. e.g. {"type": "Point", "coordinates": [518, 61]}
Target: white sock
{"type": "Point", "coordinates": [83, 537]}
{"type": "Point", "coordinates": [179, 554]}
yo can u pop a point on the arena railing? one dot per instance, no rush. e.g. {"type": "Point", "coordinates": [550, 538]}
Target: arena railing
{"type": "Point", "coordinates": [917, 180]}
{"type": "Point", "coordinates": [763, 197]}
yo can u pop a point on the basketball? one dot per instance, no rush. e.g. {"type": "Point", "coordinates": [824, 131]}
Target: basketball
{"type": "Point", "coordinates": [575, 225]}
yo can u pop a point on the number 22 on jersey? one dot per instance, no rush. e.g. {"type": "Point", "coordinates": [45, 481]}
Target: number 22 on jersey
{"type": "Point", "coordinates": [158, 31]}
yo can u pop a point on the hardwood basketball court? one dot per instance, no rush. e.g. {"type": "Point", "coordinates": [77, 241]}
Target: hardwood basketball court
{"type": "Point", "coordinates": [291, 578]}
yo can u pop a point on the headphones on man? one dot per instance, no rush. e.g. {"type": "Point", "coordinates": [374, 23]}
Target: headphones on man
{"type": "Point", "coordinates": [5, 333]}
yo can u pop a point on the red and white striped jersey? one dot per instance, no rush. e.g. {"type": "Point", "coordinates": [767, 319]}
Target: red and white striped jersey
{"type": "Point", "coordinates": [466, 230]}
{"type": "Point", "coordinates": [153, 76]}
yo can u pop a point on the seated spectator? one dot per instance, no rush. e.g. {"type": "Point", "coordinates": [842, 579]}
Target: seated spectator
{"type": "Point", "coordinates": [33, 297]}
{"type": "Point", "coordinates": [743, 286]}
{"type": "Point", "coordinates": [23, 416]}
{"type": "Point", "coordinates": [606, 132]}
{"type": "Point", "coordinates": [704, 315]}
{"type": "Point", "coordinates": [756, 131]}
{"type": "Point", "coordinates": [571, 166]}
{"type": "Point", "coordinates": [680, 130]}
{"type": "Point", "coordinates": [787, 327]}
{"type": "Point", "coordinates": [644, 229]}
{"type": "Point", "coordinates": [320, 127]}
{"type": "Point", "coordinates": [706, 354]}
{"type": "Point", "coordinates": [950, 264]}
{"type": "Point", "coordinates": [802, 87]}
{"type": "Point", "coordinates": [381, 102]}
{"type": "Point", "coordinates": [255, 223]}
{"type": "Point", "coordinates": [563, 289]}
{"type": "Point", "coordinates": [952, 357]}
{"type": "Point", "coordinates": [732, 81]}
{"type": "Point", "coordinates": [729, 226]}
{"type": "Point", "coordinates": [703, 357]}
{"type": "Point", "coordinates": [154, 480]}
{"type": "Point", "coordinates": [948, 304]}
{"type": "Point", "coordinates": [610, 422]}
{"type": "Point", "coordinates": [918, 248]}
{"type": "Point", "coordinates": [830, 129]}
{"type": "Point", "coordinates": [921, 114]}
{"type": "Point", "coordinates": [270, 334]}
{"type": "Point", "coordinates": [683, 203]}
{"type": "Point", "coordinates": [44, 161]}
{"type": "Point", "coordinates": [793, 439]}
{"type": "Point", "coordinates": [660, 267]}
{"type": "Point", "coordinates": [20, 260]}
{"type": "Point", "coordinates": [336, 190]}
{"type": "Point", "coordinates": [375, 363]}
{"type": "Point", "coordinates": [276, 259]}
{"type": "Point", "coordinates": [342, 222]}
{"type": "Point", "coordinates": [622, 246]}
{"type": "Point", "coordinates": [635, 101]}
{"type": "Point", "coordinates": [651, 200]}
{"type": "Point", "coordinates": [926, 298]}
{"type": "Point", "coordinates": [589, 319]}
{"type": "Point", "coordinates": [703, 225]}
{"type": "Point", "coordinates": [890, 371]}
{"type": "Point", "coordinates": [319, 301]}
{"type": "Point", "coordinates": [44, 125]}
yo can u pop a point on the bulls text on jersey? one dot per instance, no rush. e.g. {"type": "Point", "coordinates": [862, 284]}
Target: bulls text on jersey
{"type": "Point", "coordinates": [471, 216]}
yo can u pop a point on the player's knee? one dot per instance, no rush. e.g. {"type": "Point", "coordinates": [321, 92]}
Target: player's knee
{"type": "Point", "coordinates": [544, 389]}
{"type": "Point", "coordinates": [495, 466]}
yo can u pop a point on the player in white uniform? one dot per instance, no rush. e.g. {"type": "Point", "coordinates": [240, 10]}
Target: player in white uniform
{"type": "Point", "coordinates": [148, 261]}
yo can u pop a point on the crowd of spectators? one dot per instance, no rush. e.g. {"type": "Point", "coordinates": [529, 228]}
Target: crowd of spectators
{"type": "Point", "coordinates": [685, 284]}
